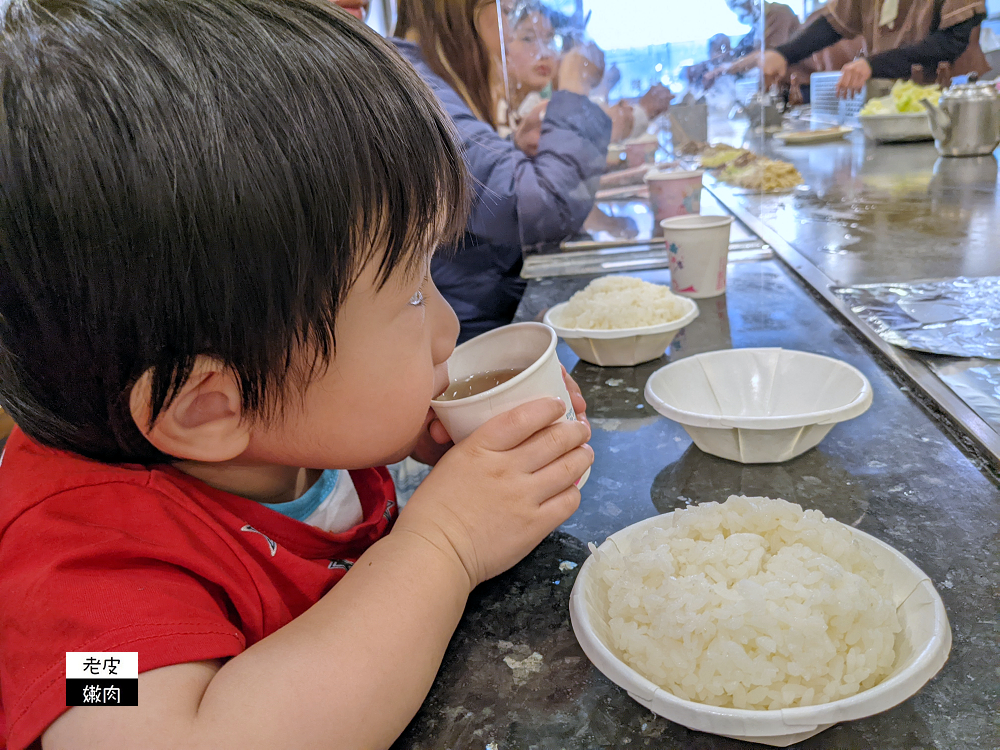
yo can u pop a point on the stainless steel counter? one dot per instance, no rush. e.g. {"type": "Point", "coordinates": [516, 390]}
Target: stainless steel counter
{"type": "Point", "coordinates": [873, 213]}
{"type": "Point", "coordinates": [893, 472]}
{"type": "Point", "coordinates": [870, 213]}
{"type": "Point", "coordinates": [896, 471]}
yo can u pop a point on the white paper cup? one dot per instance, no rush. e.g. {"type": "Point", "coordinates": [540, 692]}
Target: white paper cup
{"type": "Point", "coordinates": [531, 346]}
{"type": "Point", "coordinates": [698, 251]}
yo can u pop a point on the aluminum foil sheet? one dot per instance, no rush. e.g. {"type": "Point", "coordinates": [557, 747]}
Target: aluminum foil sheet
{"type": "Point", "coordinates": [957, 317]}
{"type": "Point", "coordinates": [977, 383]}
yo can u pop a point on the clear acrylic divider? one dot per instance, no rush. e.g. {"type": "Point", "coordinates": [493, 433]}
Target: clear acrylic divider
{"type": "Point", "coordinates": [678, 81]}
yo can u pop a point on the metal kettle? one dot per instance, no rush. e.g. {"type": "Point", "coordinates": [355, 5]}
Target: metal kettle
{"type": "Point", "coordinates": [763, 110]}
{"type": "Point", "coordinates": [966, 120]}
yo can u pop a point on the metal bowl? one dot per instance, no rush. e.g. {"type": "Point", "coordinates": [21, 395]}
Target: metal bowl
{"type": "Point", "coordinates": [897, 128]}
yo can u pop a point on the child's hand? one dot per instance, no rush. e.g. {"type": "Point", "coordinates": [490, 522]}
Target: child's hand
{"type": "Point", "coordinates": [495, 495]}
{"type": "Point", "coordinates": [434, 441]}
{"type": "Point", "coordinates": [575, 396]}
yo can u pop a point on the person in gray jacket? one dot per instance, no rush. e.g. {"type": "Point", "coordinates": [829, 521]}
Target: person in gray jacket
{"type": "Point", "coordinates": [518, 198]}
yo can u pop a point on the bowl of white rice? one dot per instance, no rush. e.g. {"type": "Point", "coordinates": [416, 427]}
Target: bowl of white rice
{"type": "Point", "coordinates": [762, 405]}
{"type": "Point", "coordinates": [756, 620]}
{"type": "Point", "coordinates": [620, 321]}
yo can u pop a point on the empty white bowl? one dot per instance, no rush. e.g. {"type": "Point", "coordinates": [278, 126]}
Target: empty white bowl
{"type": "Point", "coordinates": [621, 347]}
{"type": "Point", "coordinates": [922, 648]}
{"type": "Point", "coordinates": [758, 406]}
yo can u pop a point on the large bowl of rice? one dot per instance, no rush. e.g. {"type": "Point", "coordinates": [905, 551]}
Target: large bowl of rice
{"type": "Point", "coordinates": [756, 620]}
{"type": "Point", "coordinates": [620, 321]}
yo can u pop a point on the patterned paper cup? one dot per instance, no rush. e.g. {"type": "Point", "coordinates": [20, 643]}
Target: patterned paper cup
{"type": "Point", "coordinates": [616, 156]}
{"type": "Point", "coordinates": [641, 150]}
{"type": "Point", "coordinates": [698, 251]}
{"type": "Point", "coordinates": [676, 193]}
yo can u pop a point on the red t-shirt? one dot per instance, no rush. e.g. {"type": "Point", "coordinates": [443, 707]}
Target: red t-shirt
{"type": "Point", "coordinates": [95, 557]}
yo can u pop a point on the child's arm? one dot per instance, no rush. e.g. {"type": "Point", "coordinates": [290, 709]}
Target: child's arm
{"type": "Point", "coordinates": [352, 670]}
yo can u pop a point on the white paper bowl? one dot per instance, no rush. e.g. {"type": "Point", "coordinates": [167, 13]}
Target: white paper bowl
{"type": "Point", "coordinates": [758, 406]}
{"type": "Point", "coordinates": [622, 347]}
{"type": "Point", "coordinates": [921, 650]}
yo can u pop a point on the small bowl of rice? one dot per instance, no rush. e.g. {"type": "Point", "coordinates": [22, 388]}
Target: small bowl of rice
{"type": "Point", "coordinates": [621, 321]}
{"type": "Point", "coordinates": [756, 620]}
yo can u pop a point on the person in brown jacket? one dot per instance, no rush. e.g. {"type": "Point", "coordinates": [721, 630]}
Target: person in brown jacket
{"type": "Point", "coordinates": [832, 58]}
{"type": "Point", "coordinates": [780, 26]}
{"type": "Point", "coordinates": [897, 34]}
{"type": "Point", "coordinates": [836, 56]}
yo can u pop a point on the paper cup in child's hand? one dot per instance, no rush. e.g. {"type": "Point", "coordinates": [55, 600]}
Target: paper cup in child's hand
{"type": "Point", "coordinates": [698, 253]}
{"type": "Point", "coordinates": [675, 193]}
{"type": "Point", "coordinates": [518, 361]}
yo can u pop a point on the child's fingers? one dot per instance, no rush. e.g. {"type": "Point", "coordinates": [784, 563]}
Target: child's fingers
{"type": "Point", "coordinates": [548, 444]}
{"type": "Point", "coordinates": [564, 472]}
{"type": "Point", "coordinates": [558, 508]}
{"type": "Point", "coordinates": [575, 396]}
{"type": "Point", "coordinates": [438, 432]}
{"type": "Point", "coordinates": [508, 430]}
{"type": "Point", "coordinates": [579, 406]}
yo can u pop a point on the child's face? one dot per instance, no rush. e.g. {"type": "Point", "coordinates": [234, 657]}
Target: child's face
{"type": "Point", "coordinates": [531, 59]}
{"type": "Point", "coordinates": [369, 406]}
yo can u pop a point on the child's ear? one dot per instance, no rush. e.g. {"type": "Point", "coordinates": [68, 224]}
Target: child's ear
{"type": "Point", "coordinates": [204, 420]}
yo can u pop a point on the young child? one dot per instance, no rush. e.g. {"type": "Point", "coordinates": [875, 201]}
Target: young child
{"type": "Point", "coordinates": [217, 222]}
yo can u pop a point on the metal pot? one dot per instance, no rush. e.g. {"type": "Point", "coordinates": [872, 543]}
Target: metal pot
{"type": "Point", "coordinates": [762, 110]}
{"type": "Point", "coordinates": [966, 121]}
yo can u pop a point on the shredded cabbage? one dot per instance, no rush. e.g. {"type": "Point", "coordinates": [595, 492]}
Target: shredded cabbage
{"type": "Point", "coordinates": [904, 99]}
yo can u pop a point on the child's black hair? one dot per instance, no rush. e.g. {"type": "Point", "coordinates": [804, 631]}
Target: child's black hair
{"type": "Point", "coordinates": [186, 177]}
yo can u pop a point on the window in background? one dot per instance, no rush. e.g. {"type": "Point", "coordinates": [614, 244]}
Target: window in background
{"type": "Point", "coordinates": [643, 23]}
{"type": "Point", "coordinates": [382, 16]}
{"type": "Point", "coordinates": [651, 40]}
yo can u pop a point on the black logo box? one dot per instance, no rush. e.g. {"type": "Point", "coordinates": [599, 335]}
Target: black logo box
{"type": "Point", "coordinates": [82, 692]}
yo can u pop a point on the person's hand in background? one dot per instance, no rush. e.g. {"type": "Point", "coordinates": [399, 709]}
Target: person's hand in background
{"type": "Point", "coordinates": [656, 101]}
{"type": "Point", "coordinates": [774, 68]}
{"type": "Point", "coordinates": [620, 227]}
{"type": "Point", "coordinates": [771, 63]}
{"type": "Point", "coordinates": [529, 130]}
{"type": "Point", "coordinates": [737, 66]}
{"type": "Point", "coordinates": [581, 69]}
{"type": "Point", "coordinates": [853, 78]}
{"type": "Point", "coordinates": [622, 120]}
{"type": "Point", "coordinates": [795, 90]}
{"type": "Point", "coordinates": [709, 77]}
